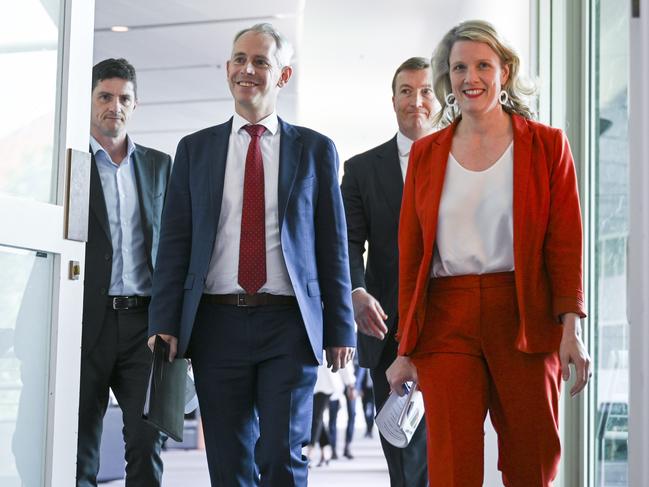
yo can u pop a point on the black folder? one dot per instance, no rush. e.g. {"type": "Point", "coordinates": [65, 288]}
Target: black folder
{"type": "Point", "coordinates": [164, 406]}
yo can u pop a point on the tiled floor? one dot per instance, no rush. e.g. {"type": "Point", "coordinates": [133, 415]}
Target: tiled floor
{"type": "Point", "coordinates": [367, 468]}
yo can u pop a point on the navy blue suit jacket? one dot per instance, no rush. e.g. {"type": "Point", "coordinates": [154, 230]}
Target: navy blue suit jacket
{"type": "Point", "coordinates": [312, 231]}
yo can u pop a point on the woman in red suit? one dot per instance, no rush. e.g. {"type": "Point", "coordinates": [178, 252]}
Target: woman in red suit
{"type": "Point", "coordinates": [490, 270]}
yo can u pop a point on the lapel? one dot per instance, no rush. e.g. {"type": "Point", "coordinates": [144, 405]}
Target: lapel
{"type": "Point", "coordinates": [430, 185]}
{"type": "Point", "coordinates": [144, 171]}
{"type": "Point", "coordinates": [215, 156]}
{"type": "Point", "coordinates": [97, 200]}
{"type": "Point", "coordinates": [388, 172]}
{"type": "Point", "coordinates": [433, 182]}
{"type": "Point", "coordinates": [522, 167]}
{"type": "Point", "coordinates": [290, 155]}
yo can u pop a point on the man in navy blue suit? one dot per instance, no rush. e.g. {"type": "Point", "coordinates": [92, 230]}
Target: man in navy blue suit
{"type": "Point", "coordinates": [252, 279]}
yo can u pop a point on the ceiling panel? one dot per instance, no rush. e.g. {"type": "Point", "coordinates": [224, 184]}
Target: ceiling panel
{"type": "Point", "coordinates": [187, 117]}
{"type": "Point", "coordinates": [163, 126]}
{"type": "Point", "coordinates": [186, 45]}
{"type": "Point", "coordinates": [179, 49]}
{"type": "Point", "coordinates": [187, 83]}
{"type": "Point", "coordinates": [182, 84]}
{"type": "Point", "coordinates": [152, 12]}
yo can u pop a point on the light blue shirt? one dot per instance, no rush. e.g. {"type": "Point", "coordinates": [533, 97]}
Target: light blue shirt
{"type": "Point", "coordinates": [130, 272]}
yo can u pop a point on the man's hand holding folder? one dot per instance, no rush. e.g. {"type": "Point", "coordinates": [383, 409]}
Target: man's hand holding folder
{"type": "Point", "coordinates": [164, 406]}
{"type": "Point", "coordinates": [171, 340]}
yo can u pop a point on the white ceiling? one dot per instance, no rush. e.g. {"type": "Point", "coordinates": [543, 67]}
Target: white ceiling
{"type": "Point", "coordinates": [346, 53]}
{"type": "Point", "coordinates": [179, 49]}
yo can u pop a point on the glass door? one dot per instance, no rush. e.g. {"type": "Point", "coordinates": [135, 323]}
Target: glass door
{"type": "Point", "coordinates": [46, 55]}
{"type": "Point", "coordinates": [610, 203]}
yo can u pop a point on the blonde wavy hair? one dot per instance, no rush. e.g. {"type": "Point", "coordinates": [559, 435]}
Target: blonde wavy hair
{"type": "Point", "coordinates": [517, 88]}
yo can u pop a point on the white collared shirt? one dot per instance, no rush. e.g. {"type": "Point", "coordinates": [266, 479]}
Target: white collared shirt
{"type": "Point", "coordinates": [475, 219]}
{"type": "Point", "coordinates": [403, 146]}
{"type": "Point", "coordinates": [222, 277]}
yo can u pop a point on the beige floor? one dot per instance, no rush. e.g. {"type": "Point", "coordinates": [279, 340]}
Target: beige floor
{"type": "Point", "coordinates": [367, 469]}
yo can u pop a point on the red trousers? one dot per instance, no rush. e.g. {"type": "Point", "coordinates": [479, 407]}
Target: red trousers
{"type": "Point", "coordinates": [468, 364]}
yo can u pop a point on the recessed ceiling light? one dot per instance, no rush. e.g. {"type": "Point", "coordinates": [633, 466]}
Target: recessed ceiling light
{"type": "Point", "coordinates": [119, 28]}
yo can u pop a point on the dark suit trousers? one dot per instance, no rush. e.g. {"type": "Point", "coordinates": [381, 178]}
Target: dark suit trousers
{"type": "Point", "coordinates": [254, 372]}
{"type": "Point", "coordinates": [407, 466]}
{"type": "Point", "coordinates": [120, 360]}
{"type": "Point", "coordinates": [319, 434]}
{"type": "Point", "coordinates": [351, 419]}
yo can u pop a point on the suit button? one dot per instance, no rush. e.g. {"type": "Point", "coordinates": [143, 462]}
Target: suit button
{"type": "Point", "coordinates": [107, 256]}
{"type": "Point", "coordinates": [103, 291]}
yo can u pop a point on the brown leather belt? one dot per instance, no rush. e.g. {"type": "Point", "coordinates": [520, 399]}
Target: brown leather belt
{"type": "Point", "coordinates": [245, 300]}
{"type": "Point", "coordinates": [128, 302]}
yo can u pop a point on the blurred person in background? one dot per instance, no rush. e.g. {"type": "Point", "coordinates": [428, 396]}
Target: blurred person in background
{"type": "Point", "coordinates": [347, 392]}
{"type": "Point", "coordinates": [327, 384]}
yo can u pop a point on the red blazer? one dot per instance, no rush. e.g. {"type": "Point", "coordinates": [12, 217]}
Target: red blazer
{"type": "Point", "coordinates": [547, 233]}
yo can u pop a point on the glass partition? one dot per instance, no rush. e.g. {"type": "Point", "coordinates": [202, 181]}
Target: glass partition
{"type": "Point", "coordinates": [611, 228]}
{"type": "Point", "coordinates": [26, 302]}
{"type": "Point", "coordinates": [29, 43]}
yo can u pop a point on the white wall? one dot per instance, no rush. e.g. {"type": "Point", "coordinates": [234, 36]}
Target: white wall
{"type": "Point", "coordinates": [350, 50]}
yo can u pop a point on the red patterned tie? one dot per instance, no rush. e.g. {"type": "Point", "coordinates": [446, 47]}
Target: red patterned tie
{"type": "Point", "coordinates": [252, 246]}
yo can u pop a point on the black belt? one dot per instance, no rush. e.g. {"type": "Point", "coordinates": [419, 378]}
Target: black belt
{"type": "Point", "coordinates": [128, 302]}
{"type": "Point", "coordinates": [245, 300]}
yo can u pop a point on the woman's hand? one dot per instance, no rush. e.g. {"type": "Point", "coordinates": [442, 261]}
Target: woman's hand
{"type": "Point", "coordinates": [573, 351]}
{"type": "Point", "coordinates": [401, 371]}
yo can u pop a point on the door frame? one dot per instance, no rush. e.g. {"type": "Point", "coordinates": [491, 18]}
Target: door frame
{"type": "Point", "coordinates": [638, 260]}
{"type": "Point", "coordinates": [35, 225]}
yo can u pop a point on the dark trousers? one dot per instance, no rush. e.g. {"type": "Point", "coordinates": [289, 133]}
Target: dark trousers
{"type": "Point", "coordinates": [369, 409]}
{"type": "Point", "coordinates": [319, 433]}
{"type": "Point", "coordinates": [121, 361]}
{"type": "Point", "coordinates": [351, 418]}
{"type": "Point", "coordinates": [254, 372]}
{"type": "Point", "coordinates": [334, 407]}
{"type": "Point", "coordinates": [407, 466]}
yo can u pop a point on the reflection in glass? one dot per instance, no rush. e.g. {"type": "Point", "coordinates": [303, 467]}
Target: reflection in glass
{"type": "Point", "coordinates": [611, 228]}
{"type": "Point", "coordinates": [28, 56]}
{"type": "Point", "coordinates": [25, 304]}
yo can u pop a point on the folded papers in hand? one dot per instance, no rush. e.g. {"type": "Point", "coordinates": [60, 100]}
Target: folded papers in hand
{"type": "Point", "coordinates": [400, 415]}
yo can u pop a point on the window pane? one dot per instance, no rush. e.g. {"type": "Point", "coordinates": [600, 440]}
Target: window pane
{"type": "Point", "coordinates": [28, 56]}
{"type": "Point", "coordinates": [26, 302]}
{"type": "Point", "coordinates": [611, 231]}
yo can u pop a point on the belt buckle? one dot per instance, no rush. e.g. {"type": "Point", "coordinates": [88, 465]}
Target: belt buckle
{"type": "Point", "coordinates": [241, 301]}
{"type": "Point", "coordinates": [120, 302]}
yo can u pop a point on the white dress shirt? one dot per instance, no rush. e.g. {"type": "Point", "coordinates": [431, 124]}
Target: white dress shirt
{"type": "Point", "coordinates": [475, 220]}
{"type": "Point", "coordinates": [403, 146]}
{"type": "Point", "coordinates": [222, 277]}
{"type": "Point", "coordinates": [334, 383]}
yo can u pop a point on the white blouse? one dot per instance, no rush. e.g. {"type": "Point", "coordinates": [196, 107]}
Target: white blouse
{"type": "Point", "coordinates": [475, 221]}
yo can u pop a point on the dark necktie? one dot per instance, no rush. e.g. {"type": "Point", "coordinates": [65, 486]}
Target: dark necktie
{"type": "Point", "coordinates": [252, 246]}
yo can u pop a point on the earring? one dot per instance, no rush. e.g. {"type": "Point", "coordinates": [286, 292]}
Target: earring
{"type": "Point", "coordinates": [451, 101]}
{"type": "Point", "coordinates": [503, 97]}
